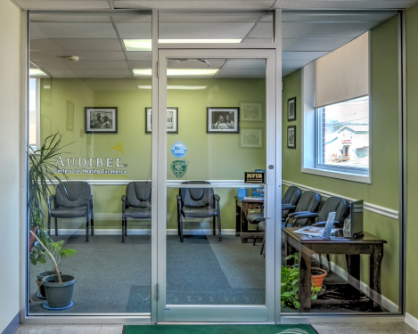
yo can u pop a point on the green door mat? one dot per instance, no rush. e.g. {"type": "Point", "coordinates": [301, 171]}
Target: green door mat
{"type": "Point", "coordinates": [219, 329]}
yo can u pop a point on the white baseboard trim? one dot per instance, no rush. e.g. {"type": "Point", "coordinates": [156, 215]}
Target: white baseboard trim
{"type": "Point", "coordinates": [336, 269]}
{"type": "Point", "coordinates": [367, 206]}
{"type": "Point", "coordinates": [145, 231]}
{"type": "Point", "coordinates": [411, 321]}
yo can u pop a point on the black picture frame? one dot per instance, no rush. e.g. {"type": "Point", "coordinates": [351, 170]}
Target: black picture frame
{"type": "Point", "coordinates": [101, 119]}
{"type": "Point", "coordinates": [291, 109]}
{"type": "Point", "coordinates": [216, 120]}
{"type": "Point", "coordinates": [175, 121]}
{"type": "Point", "coordinates": [291, 137]}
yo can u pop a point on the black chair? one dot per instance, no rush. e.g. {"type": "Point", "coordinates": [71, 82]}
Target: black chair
{"type": "Point", "coordinates": [332, 204]}
{"type": "Point", "coordinates": [308, 204]}
{"type": "Point", "coordinates": [136, 204]}
{"type": "Point", "coordinates": [72, 199]}
{"type": "Point", "coordinates": [289, 201]}
{"type": "Point", "coordinates": [198, 203]}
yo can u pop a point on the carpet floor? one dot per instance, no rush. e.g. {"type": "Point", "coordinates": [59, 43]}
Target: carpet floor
{"type": "Point", "coordinates": [220, 329]}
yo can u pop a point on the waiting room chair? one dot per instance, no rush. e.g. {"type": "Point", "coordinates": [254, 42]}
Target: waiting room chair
{"type": "Point", "coordinates": [72, 199]}
{"type": "Point", "coordinates": [198, 203]}
{"type": "Point", "coordinates": [289, 201]}
{"type": "Point", "coordinates": [308, 204]}
{"type": "Point", "coordinates": [136, 204]}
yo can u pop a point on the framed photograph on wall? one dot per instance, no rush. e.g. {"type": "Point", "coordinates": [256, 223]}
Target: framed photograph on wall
{"type": "Point", "coordinates": [251, 138]}
{"type": "Point", "coordinates": [291, 136]}
{"type": "Point", "coordinates": [222, 120]}
{"type": "Point", "coordinates": [172, 120]}
{"type": "Point", "coordinates": [251, 111]}
{"type": "Point", "coordinates": [291, 109]}
{"type": "Point", "coordinates": [101, 120]}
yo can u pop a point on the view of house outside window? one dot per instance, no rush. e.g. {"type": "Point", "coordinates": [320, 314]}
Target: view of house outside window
{"type": "Point", "coordinates": [345, 134]}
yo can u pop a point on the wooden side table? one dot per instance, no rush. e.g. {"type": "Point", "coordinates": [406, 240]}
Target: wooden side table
{"type": "Point", "coordinates": [241, 223]}
{"type": "Point", "coordinates": [351, 248]}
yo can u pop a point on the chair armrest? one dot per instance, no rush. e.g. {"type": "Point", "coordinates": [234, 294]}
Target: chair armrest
{"type": "Point", "coordinates": [301, 215]}
{"type": "Point", "coordinates": [123, 198]}
{"type": "Point", "coordinates": [319, 224]}
{"type": "Point", "coordinates": [216, 197]}
{"type": "Point", "coordinates": [178, 197]}
{"type": "Point", "coordinates": [288, 207]}
{"type": "Point", "coordinates": [297, 213]}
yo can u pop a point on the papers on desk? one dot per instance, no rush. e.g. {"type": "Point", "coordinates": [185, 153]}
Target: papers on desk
{"type": "Point", "coordinates": [310, 230]}
{"type": "Point", "coordinates": [261, 199]}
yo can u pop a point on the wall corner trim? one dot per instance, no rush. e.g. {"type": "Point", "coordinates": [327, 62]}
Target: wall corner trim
{"type": "Point", "coordinates": [411, 321]}
{"type": "Point", "coordinates": [14, 324]}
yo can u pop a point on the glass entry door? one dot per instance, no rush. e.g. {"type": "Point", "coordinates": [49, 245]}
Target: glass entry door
{"type": "Point", "coordinates": [216, 122]}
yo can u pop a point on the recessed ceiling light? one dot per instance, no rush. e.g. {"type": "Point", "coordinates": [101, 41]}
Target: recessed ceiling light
{"type": "Point", "coordinates": [146, 44]}
{"type": "Point", "coordinates": [36, 72]}
{"type": "Point", "coordinates": [179, 71]}
{"type": "Point", "coordinates": [199, 41]}
{"type": "Point", "coordinates": [177, 87]}
{"type": "Point", "coordinates": [137, 44]}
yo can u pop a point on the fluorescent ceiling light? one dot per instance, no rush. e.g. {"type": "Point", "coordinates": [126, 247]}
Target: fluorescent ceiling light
{"type": "Point", "coordinates": [137, 44]}
{"type": "Point", "coordinates": [36, 71]}
{"type": "Point", "coordinates": [179, 71]}
{"type": "Point", "coordinates": [146, 44]}
{"type": "Point", "coordinates": [199, 41]}
{"type": "Point", "coordinates": [177, 87]}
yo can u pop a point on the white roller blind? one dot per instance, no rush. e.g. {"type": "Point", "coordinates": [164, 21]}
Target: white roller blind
{"type": "Point", "coordinates": [344, 73]}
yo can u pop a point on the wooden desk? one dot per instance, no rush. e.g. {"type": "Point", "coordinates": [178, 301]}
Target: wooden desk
{"type": "Point", "coordinates": [351, 248]}
{"type": "Point", "coordinates": [241, 223]}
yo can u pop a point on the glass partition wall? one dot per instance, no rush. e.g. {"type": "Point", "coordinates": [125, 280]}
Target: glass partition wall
{"type": "Point", "coordinates": [94, 158]}
{"type": "Point", "coordinates": [343, 111]}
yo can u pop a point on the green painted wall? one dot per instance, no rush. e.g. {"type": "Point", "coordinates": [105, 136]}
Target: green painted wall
{"type": "Point", "coordinates": [384, 190]}
{"type": "Point", "coordinates": [412, 158]}
{"type": "Point", "coordinates": [210, 156]}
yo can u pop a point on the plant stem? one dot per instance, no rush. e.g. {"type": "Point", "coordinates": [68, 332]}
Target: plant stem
{"type": "Point", "coordinates": [50, 255]}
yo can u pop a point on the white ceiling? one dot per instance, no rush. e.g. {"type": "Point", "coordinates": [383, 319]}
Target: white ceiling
{"type": "Point", "coordinates": [97, 39]}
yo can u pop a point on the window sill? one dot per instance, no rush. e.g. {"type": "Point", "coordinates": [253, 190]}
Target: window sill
{"type": "Point", "coordinates": [339, 175]}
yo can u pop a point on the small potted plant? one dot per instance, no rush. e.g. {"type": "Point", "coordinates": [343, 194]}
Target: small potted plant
{"type": "Point", "coordinates": [290, 284]}
{"type": "Point", "coordinates": [58, 288]}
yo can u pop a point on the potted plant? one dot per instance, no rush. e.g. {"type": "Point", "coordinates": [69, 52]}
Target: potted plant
{"type": "Point", "coordinates": [290, 284]}
{"type": "Point", "coordinates": [58, 288]}
{"type": "Point", "coordinates": [41, 176]}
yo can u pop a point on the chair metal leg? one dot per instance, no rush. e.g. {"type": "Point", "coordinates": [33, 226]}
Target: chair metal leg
{"type": "Point", "coordinates": [56, 225]}
{"type": "Point", "coordinates": [87, 228]}
{"type": "Point", "coordinates": [123, 230]}
{"type": "Point", "coordinates": [262, 246]}
{"type": "Point", "coordinates": [181, 228]}
{"type": "Point", "coordinates": [126, 227]}
{"type": "Point", "coordinates": [92, 224]}
{"type": "Point", "coordinates": [214, 225]}
{"type": "Point", "coordinates": [329, 263]}
{"type": "Point", "coordinates": [219, 227]}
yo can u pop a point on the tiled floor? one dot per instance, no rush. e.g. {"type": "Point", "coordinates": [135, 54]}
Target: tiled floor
{"type": "Point", "coordinates": [343, 328]}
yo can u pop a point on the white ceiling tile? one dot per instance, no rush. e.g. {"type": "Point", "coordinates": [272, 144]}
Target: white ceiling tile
{"type": "Point", "coordinates": [314, 44]}
{"type": "Point", "coordinates": [68, 18]}
{"type": "Point", "coordinates": [262, 30]}
{"type": "Point", "coordinates": [210, 17]}
{"type": "Point", "coordinates": [97, 56]}
{"type": "Point", "coordinates": [142, 17]}
{"type": "Point", "coordinates": [101, 73]}
{"type": "Point", "coordinates": [75, 44]}
{"type": "Point", "coordinates": [302, 56]}
{"type": "Point", "coordinates": [194, 4]}
{"type": "Point", "coordinates": [62, 4]}
{"type": "Point", "coordinates": [140, 64]}
{"type": "Point", "coordinates": [341, 4]}
{"type": "Point", "coordinates": [61, 63]}
{"type": "Point", "coordinates": [332, 16]}
{"type": "Point", "coordinates": [134, 30]}
{"type": "Point", "coordinates": [72, 30]}
{"type": "Point", "coordinates": [204, 30]}
{"type": "Point", "coordinates": [142, 55]}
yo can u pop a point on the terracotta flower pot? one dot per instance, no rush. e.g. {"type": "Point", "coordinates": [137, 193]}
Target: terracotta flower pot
{"type": "Point", "coordinates": [318, 280]}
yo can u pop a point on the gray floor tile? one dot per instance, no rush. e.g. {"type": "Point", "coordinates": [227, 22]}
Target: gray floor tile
{"type": "Point", "coordinates": [38, 329]}
{"type": "Point", "coordinates": [111, 329]}
{"type": "Point", "coordinates": [80, 329]}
